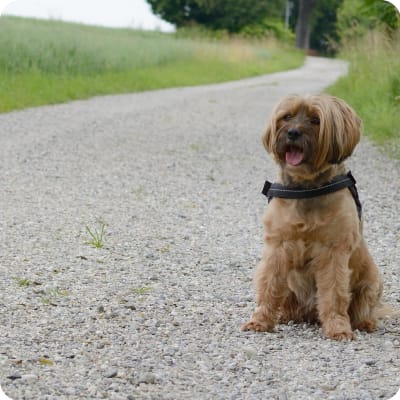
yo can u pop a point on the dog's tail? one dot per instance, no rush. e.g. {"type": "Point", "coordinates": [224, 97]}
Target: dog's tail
{"type": "Point", "coordinates": [386, 311]}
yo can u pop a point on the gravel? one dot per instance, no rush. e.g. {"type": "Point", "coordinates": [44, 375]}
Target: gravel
{"type": "Point", "coordinates": [175, 177]}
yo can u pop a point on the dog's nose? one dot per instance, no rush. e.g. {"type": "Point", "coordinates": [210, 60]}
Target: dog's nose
{"type": "Point", "coordinates": [293, 134]}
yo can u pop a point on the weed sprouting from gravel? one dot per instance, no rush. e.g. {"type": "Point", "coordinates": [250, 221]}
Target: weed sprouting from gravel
{"type": "Point", "coordinates": [21, 282]}
{"type": "Point", "coordinates": [50, 297]}
{"type": "Point", "coordinates": [45, 361]}
{"type": "Point", "coordinates": [141, 290]}
{"type": "Point", "coordinates": [96, 236]}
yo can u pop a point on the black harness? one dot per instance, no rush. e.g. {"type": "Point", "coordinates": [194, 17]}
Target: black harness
{"type": "Point", "coordinates": [337, 183]}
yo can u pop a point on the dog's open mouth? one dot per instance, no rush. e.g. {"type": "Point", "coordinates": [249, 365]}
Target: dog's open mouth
{"type": "Point", "coordinates": [294, 155]}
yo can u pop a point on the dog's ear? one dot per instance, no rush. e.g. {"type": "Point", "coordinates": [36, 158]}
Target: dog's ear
{"type": "Point", "coordinates": [348, 132]}
{"type": "Point", "coordinates": [344, 127]}
{"type": "Point", "coordinates": [268, 137]}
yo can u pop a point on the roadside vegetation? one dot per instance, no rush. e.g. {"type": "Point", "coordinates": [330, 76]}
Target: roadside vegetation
{"type": "Point", "coordinates": [372, 86]}
{"type": "Point", "coordinates": [45, 62]}
{"type": "Point", "coordinates": [370, 41]}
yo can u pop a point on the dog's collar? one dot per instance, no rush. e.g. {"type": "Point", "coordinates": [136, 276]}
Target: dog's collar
{"type": "Point", "coordinates": [337, 183]}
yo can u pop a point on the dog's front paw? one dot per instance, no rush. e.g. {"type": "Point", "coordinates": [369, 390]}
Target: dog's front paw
{"type": "Point", "coordinates": [338, 328]}
{"type": "Point", "coordinates": [257, 326]}
{"type": "Point", "coordinates": [340, 335]}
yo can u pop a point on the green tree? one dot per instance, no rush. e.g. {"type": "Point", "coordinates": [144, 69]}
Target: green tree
{"type": "Point", "coordinates": [381, 12]}
{"type": "Point", "coordinates": [318, 29]}
{"type": "Point", "coordinates": [351, 23]}
{"type": "Point", "coordinates": [231, 15]}
{"type": "Point", "coordinates": [324, 35]}
{"type": "Point", "coordinates": [303, 23]}
{"type": "Point", "coordinates": [356, 17]}
{"type": "Point", "coordinates": [322, 24]}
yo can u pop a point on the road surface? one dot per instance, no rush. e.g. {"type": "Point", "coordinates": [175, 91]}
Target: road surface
{"type": "Point", "coordinates": [174, 177]}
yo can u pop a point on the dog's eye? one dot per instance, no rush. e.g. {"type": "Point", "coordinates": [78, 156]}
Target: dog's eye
{"type": "Point", "coordinates": [315, 120]}
{"type": "Point", "coordinates": [287, 117]}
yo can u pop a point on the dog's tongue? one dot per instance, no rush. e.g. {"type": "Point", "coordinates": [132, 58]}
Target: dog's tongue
{"type": "Point", "coordinates": [294, 156]}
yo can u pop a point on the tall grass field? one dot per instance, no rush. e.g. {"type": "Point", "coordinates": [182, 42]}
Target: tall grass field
{"type": "Point", "coordinates": [372, 86]}
{"type": "Point", "coordinates": [45, 62]}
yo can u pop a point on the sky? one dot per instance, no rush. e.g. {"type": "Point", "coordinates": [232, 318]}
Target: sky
{"type": "Point", "coordinates": [111, 13]}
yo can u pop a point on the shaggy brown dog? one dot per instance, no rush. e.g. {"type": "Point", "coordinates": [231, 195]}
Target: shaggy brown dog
{"type": "Point", "coordinates": [315, 264]}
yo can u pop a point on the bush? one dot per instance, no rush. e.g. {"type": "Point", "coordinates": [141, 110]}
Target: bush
{"type": "Point", "coordinates": [196, 31]}
{"type": "Point", "coordinates": [267, 28]}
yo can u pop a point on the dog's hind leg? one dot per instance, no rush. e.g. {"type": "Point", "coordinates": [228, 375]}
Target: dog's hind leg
{"type": "Point", "coordinates": [366, 291]}
{"type": "Point", "coordinates": [272, 289]}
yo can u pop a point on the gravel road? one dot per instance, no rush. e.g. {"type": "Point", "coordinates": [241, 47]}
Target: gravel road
{"type": "Point", "coordinates": [175, 177]}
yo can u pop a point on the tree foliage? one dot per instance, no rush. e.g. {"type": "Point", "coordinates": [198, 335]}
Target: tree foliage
{"type": "Point", "coordinates": [321, 25]}
{"type": "Point", "coordinates": [303, 26]}
{"type": "Point", "coordinates": [356, 17]}
{"type": "Point", "coordinates": [381, 12]}
{"type": "Point", "coordinates": [333, 21]}
{"type": "Point", "coordinates": [318, 24]}
{"type": "Point", "coordinates": [269, 27]}
{"type": "Point", "coordinates": [231, 15]}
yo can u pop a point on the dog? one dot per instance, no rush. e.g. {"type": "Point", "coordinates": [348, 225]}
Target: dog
{"type": "Point", "coordinates": [315, 265]}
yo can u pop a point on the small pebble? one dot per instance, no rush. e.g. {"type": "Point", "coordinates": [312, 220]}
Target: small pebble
{"type": "Point", "coordinates": [111, 373]}
{"type": "Point", "coordinates": [14, 376]}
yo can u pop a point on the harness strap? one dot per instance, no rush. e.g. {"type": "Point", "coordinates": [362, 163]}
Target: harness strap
{"type": "Point", "coordinates": [337, 183]}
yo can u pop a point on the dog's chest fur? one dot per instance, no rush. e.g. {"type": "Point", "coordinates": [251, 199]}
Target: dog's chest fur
{"type": "Point", "coordinates": [302, 228]}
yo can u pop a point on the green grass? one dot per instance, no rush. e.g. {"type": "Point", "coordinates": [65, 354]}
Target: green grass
{"type": "Point", "coordinates": [45, 62]}
{"type": "Point", "coordinates": [373, 86]}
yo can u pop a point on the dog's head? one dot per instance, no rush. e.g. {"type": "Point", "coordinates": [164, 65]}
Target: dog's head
{"type": "Point", "coordinates": [308, 134]}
